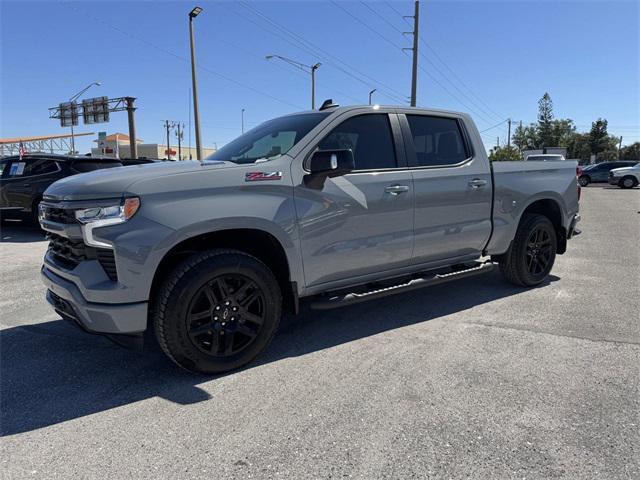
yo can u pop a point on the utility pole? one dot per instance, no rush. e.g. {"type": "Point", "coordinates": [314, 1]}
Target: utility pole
{"type": "Point", "coordinates": [167, 125]}
{"type": "Point", "coordinates": [509, 135]}
{"type": "Point", "coordinates": [190, 157]}
{"type": "Point", "coordinates": [416, 36]}
{"type": "Point", "coordinates": [620, 148]}
{"type": "Point", "coordinates": [242, 114]}
{"type": "Point", "coordinates": [497, 142]}
{"type": "Point", "coordinates": [196, 114]}
{"type": "Point", "coordinates": [179, 134]}
{"type": "Point", "coordinates": [133, 145]}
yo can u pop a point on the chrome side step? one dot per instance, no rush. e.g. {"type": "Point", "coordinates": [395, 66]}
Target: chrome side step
{"type": "Point", "coordinates": [413, 284]}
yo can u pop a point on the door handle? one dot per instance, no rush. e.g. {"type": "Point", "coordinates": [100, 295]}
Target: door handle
{"type": "Point", "coordinates": [477, 183]}
{"type": "Point", "coordinates": [396, 189]}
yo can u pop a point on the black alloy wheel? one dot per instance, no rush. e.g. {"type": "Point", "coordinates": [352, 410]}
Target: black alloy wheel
{"type": "Point", "coordinates": [226, 315]}
{"type": "Point", "coordinates": [217, 310]}
{"type": "Point", "coordinates": [538, 252]}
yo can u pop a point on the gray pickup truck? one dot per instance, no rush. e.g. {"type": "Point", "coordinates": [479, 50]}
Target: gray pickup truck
{"type": "Point", "coordinates": [337, 205]}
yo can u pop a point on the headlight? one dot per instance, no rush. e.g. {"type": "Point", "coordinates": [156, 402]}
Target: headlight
{"type": "Point", "coordinates": [96, 217]}
{"type": "Point", "coordinates": [122, 212]}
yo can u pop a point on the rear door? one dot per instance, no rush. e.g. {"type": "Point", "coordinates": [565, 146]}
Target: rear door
{"type": "Point", "coordinates": [26, 179]}
{"type": "Point", "coordinates": [452, 188]}
{"type": "Point", "coordinates": [360, 223]}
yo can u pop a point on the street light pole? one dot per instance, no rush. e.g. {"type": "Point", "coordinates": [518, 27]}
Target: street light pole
{"type": "Point", "coordinates": [242, 114]}
{"type": "Point", "coordinates": [305, 68]}
{"type": "Point", "coordinates": [313, 85]}
{"type": "Point", "coordinates": [73, 99]}
{"type": "Point", "coordinates": [370, 94]}
{"type": "Point", "coordinates": [196, 114]}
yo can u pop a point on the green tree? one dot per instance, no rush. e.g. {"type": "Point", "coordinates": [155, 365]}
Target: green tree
{"type": "Point", "coordinates": [526, 138]}
{"type": "Point", "coordinates": [631, 152]}
{"type": "Point", "coordinates": [598, 137]}
{"type": "Point", "coordinates": [545, 121]}
{"type": "Point", "coordinates": [504, 154]}
{"type": "Point", "coordinates": [578, 146]}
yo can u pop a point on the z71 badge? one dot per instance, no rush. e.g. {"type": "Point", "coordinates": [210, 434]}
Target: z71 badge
{"type": "Point", "coordinates": [262, 176]}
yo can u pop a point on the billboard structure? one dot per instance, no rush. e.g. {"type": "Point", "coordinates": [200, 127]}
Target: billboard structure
{"type": "Point", "coordinates": [97, 110]}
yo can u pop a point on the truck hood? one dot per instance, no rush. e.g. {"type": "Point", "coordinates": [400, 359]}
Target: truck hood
{"type": "Point", "coordinates": [624, 169]}
{"type": "Point", "coordinates": [113, 182]}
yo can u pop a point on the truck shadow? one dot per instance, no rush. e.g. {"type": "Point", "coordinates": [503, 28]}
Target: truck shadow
{"type": "Point", "coordinates": [51, 372]}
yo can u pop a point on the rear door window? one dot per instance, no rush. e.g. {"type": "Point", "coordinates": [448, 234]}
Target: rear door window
{"type": "Point", "coordinates": [16, 169]}
{"type": "Point", "coordinates": [40, 166]}
{"type": "Point", "coordinates": [437, 140]}
{"type": "Point", "coordinates": [81, 166]}
{"type": "Point", "coordinates": [370, 139]}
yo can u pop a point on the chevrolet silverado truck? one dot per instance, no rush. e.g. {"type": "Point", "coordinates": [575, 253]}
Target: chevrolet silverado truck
{"type": "Point", "coordinates": [335, 206]}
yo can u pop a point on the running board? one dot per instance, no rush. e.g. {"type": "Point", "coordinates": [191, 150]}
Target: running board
{"type": "Point", "coordinates": [413, 284]}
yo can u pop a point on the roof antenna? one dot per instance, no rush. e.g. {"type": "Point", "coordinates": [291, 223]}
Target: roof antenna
{"type": "Point", "coordinates": [328, 104]}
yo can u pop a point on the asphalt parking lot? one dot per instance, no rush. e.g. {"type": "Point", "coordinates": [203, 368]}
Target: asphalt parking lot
{"type": "Point", "coordinates": [473, 379]}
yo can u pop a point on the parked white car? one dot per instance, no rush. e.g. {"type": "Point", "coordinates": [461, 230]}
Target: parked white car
{"type": "Point", "coordinates": [627, 177]}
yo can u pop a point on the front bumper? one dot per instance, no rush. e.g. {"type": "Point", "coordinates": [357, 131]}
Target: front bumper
{"type": "Point", "coordinates": [105, 318]}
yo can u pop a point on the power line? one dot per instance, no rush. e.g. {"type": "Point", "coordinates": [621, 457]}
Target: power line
{"type": "Point", "coordinates": [308, 46]}
{"type": "Point", "coordinates": [494, 126]}
{"type": "Point", "coordinates": [200, 66]}
{"type": "Point", "coordinates": [394, 9]}
{"type": "Point", "coordinates": [487, 110]}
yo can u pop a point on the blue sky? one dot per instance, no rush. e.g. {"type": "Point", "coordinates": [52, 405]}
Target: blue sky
{"type": "Point", "coordinates": [491, 59]}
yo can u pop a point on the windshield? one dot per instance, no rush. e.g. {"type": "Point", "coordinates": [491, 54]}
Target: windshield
{"type": "Point", "coordinates": [270, 139]}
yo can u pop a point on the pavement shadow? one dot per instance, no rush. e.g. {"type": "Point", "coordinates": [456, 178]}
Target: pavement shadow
{"type": "Point", "coordinates": [20, 232]}
{"type": "Point", "coordinates": [52, 372]}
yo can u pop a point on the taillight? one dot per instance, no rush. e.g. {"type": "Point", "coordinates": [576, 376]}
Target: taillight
{"type": "Point", "coordinates": [578, 171]}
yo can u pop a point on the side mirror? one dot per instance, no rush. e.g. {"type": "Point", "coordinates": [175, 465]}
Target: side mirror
{"type": "Point", "coordinates": [331, 163]}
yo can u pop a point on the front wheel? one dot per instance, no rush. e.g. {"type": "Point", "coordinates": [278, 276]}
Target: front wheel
{"type": "Point", "coordinates": [217, 311]}
{"type": "Point", "coordinates": [584, 180]}
{"type": "Point", "coordinates": [532, 253]}
{"type": "Point", "coordinates": [627, 182]}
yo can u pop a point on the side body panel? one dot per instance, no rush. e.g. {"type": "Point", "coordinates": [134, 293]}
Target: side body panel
{"type": "Point", "coordinates": [519, 184]}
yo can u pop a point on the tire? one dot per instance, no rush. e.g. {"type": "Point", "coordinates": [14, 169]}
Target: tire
{"type": "Point", "coordinates": [532, 253]}
{"type": "Point", "coordinates": [232, 294]}
{"type": "Point", "coordinates": [584, 180]}
{"type": "Point", "coordinates": [627, 182]}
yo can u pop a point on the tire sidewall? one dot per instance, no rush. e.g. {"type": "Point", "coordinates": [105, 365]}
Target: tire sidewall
{"type": "Point", "coordinates": [584, 180]}
{"type": "Point", "coordinates": [631, 185]}
{"type": "Point", "coordinates": [537, 221]}
{"type": "Point", "coordinates": [174, 320]}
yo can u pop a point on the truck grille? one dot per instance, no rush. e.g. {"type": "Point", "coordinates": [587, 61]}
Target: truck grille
{"type": "Point", "coordinates": [58, 215]}
{"type": "Point", "coordinates": [70, 253]}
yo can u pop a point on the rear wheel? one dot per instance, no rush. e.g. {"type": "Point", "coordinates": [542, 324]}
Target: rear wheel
{"type": "Point", "coordinates": [627, 182]}
{"type": "Point", "coordinates": [532, 253]}
{"type": "Point", "coordinates": [217, 311]}
{"type": "Point", "coordinates": [584, 180]}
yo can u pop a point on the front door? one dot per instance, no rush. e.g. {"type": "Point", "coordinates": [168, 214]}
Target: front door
{"type": "Point", "coordinates": [362, 222]}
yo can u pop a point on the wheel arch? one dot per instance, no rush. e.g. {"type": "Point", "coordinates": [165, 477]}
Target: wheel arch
{"type": "Point", "coordinates": [259, 243]}
{"type": "Point", "coordinates": [551, 209]}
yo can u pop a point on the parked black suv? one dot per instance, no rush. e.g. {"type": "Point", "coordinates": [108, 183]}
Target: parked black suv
{"type": "Point", "coordinates": [23, 180]}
